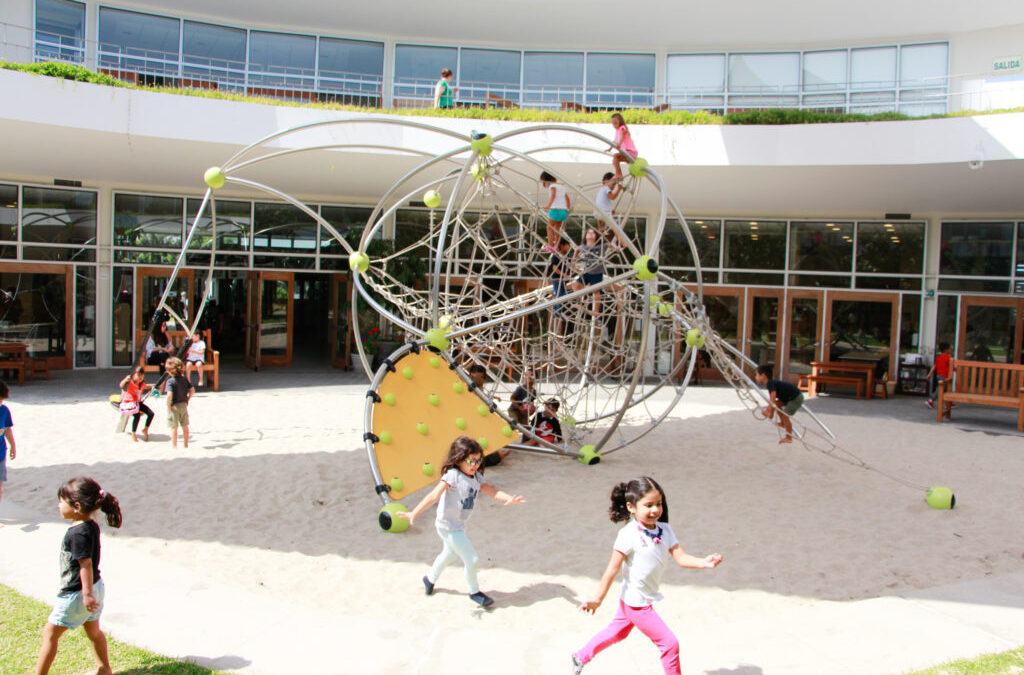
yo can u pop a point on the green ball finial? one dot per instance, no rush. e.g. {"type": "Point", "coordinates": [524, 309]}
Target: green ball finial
{"type": "Point", "coordinates": [214, 177]}
{"type": "Point", "coordinates": [437, 338]}
{"type": "Point", "coordinates": [428, 469]}
{"type": "Point", "coordinates": [397, 484]}
{"type": "Point", "coordinates": [941, 498]}
{"type": "Point", "coordinates": [638, 168]}
{"type": "Point", "coordinates": [358, 261]}
{"type": "Point", "coordinates": [389, 520]}
{"type": "Point", "coordinates": [479, 171]}
{"type": "Point", "coordinates": [569, 421]}
{"type": "Point", "coordinates": [664, 308]}
{"type": "Point", "coordinates": [646, 267]}
{"type": "Point", "coordinates": [432, 198]}
{"type": "Point", "coordinates": [506, 431]}
{"type": "Point", "coordinates": [445, 321]}
{"type": "Point", "coordinates": [692, 335]}
{"type": "Point", "coordinates": [435, 362]}
{"type": "Point", "coordinates": [461, 423]}
{"type": "Point", "coordinates": [481, 144]}
{"type": "Point", "coordinates": [422, 428]}
{"type": "Point", "coordinates": [588, 455]}
{"type": "Point", "coordinates": [483, 442]}
{"type": "Point", "coordinates": [385, 437]}
{"type": "Point", "coordinates": [482, 410]}
{"type": "Point", "coordinates": [434, 400]}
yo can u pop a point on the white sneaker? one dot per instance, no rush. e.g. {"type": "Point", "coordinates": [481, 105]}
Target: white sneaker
{"type": "Point", "coordinates": [577, 667]}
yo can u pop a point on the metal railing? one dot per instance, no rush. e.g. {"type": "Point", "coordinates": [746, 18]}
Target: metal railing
{"type": "Point", "coordinates": [976, 91]}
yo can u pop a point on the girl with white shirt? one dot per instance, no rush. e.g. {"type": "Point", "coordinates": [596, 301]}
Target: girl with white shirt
{"type": "Point", "coordinates": [644, 545]}
{"type": "Point", "coordinates": [558, 208]}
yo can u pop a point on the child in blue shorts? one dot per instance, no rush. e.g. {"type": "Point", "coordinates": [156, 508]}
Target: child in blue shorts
{"type": "Point", "coordinates": [80, 599]}
{"type": "Point", "coordinates": [6, 436]}
{"type": "Point", "coordinates": [558, 209]}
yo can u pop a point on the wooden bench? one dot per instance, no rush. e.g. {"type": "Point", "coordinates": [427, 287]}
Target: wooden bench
{"type": "Point", "coordinates": [984, 383]}
{"type": "Point", "coordinates": [14, 366]}
{"type": "Point", "coordinates": [499, 102]}
{"type": "Point", "coordinates": [211, 369]}
{"type": "Point", "coordinates": [845, 380]}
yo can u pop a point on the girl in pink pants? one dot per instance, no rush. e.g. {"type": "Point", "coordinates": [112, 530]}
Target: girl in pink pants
{"type": "Point", "coordinates": [644, 544]}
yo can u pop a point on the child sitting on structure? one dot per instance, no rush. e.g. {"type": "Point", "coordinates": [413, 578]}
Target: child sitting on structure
{"type": "Point", "coordinates": [545, 424]}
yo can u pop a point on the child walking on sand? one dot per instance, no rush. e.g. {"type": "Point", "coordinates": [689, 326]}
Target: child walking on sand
{"type": "Point", "coordinates": [179, 394]}
{"type": "Point", "coordinates": [644, 546]}
{"type": "Point", "coordinates": [6, 436]}
{"type": "Point", "coordinates": [134, 387]}
{"type": "Point", "coordinates": [786, 400]}
{"type": "Point", "coordinates": [80, 599]}
{"type": "Point", "coordinates": [557, 208]}
{"type": "Point", "coordinates": [624, 140]}
{"type": "Point", "coordinates": [461, 480]}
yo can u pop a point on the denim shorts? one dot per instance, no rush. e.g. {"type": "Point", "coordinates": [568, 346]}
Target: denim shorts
{"type": "Point", "coordinates": [69, 610]}
{"type": "Point", "coordinates": [3, 468]}
{"type": "Point", "coordinates": [558, 215]}
{"type": "Point", "coordinates": [591, 278]}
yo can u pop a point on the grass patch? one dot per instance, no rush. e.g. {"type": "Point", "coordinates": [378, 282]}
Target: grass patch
{"type": "Point", "coordinates": [1005, 663]}
{"type": "Point", "coordinates": [21, 632]}
{"type": "Point", "coordinates": [779, 116]}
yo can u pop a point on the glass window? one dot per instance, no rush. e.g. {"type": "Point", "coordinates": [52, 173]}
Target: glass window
{"type": "Point", "coordinates": [349, 221]}
{"type": "Point", "coordinates": [484, 71]}
{"type": "Point", "coordinates": [889, 283]}
{"type": "Point", "coordinates": [620, 79]}
{"type": "Point", "coordinates": [134, 41]}
{"type": "Point", "coordinates": [60, 30]}
{"type": "Point", "coordinates": [351, 66]}
{"type": "Point", "coordinates": [123, 286]}
{"type": "Point", "coordinates": [890, 248]}
{"type": "Point", "coordinates": [825, 247]}
{"type": "Point", "coordinates": [552, 77]}
{"type": "Point", "coordinates": [873, 68]}
{"type": "Point", "coordinates": [924, 65]}
{"type": "Point", "coordinates": [9, 212]}
{"type": "Point", "coordinates": [55, 216]}
{"type": "Point", "coordinates": [696, 81]}
{"type": "Point", "coordinates": [755, 244]}
{"type": "Point", "coordinates": [910, 324]}
{"type": "Point", "coordinates": [764, 72]}
{"type": "Point", "coordinates": [283, 227]}
{"type": "Point", "coordinates": [58, 254]}
{"type": "Point", "coordinates": [234, 219]}
{"type": "Point", "coordinates": [281, 60]}
{"type": "Point", "coordinates": [675, 249]}
{"type": "Point", "coordinates": [85, 316]}
{"type": "Point", "coordinates": [861, 331]}
{"type": "Point", "coordinates": [213, 53]}
{"type": "Point", "coordinates": [825, 71]}
{"type": "Point", "coordinates": [1020, 249]}
{"type": "Point", "coordinates": [417, 69]}
{"type": "Point", "coordinates": [148, 221]}
{"type": "Point", "coordinates": [819, 280]}
{"type": "Point", "coordinates": [946, 320]}
{"type": "Point", "coordinates": [977, 249]}
{"type": "Point", "coordinates": [753, 278]}
{"type": "Point", "coordinates": [34, 314]}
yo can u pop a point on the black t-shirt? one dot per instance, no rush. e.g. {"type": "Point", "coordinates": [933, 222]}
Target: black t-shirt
{"type": "Point", "coordinates": [82, 540]}
{"type": "Point", "coordinates": [179, 387]}
{"type": "Point", "coordinates": [547, 426]}
{"type": "Point", "coordinates": [556, 267]}
{"type": "Point", "coordinates": [784, 391]}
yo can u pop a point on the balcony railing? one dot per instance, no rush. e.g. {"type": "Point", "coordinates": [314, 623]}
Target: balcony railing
{"type": "Point", "coordinates": [978, 92]}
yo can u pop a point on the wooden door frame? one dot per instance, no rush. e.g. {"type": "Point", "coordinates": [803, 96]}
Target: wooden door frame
{"type": "Point", "coordinates": [869, 296]}
{"type": "Point", "coordinates": [781, 334]}
{"type": "Point", "coordinates": [738, 292]}
{"type": "Point", "coordinates": [164, 273]}
{"type": "Point", "coordinates": [799, 294]}
{"type": "Point", "coordinates": [344, 360]}
{"type": "Point", "coordinates": [289, 278]}
{"type": "Point", "coordinates": [55, 362]}
{"type": "Point", "coordinates": [253, 306]}
{"type": "Point", "coordinates": [990, 301]}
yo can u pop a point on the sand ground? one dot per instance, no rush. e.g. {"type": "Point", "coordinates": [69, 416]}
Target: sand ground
{"type": "Point", "coordinates": [257, 548]}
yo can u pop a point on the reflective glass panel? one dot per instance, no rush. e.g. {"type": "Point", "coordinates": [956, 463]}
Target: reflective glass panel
{"type": "Point", "coordinates": [123, 286]}
{"type": "Point", "coordinates": [139, 41]}
{"type": "Point", "coordinates": [85, 316]}
{"type": "Point", "coordinates": [862, 332]}
{"type": "Point", "coordinates": [424, 63]}
{"type": "Point", "coordinates": [234, 219]}
{"type": "Point", "coordinates": [755, 244]}
{"type": "Point", "coordinates": [977, 249]}
{"type": "Point", "coordinates": [274, 317]}
{"type": "Point", "coordinates": [675, 248]}
{"type": "Point", "coordinates": [945, 320]}
{"type": "Point", "coordinates": [281, 59]}
{"type": "Point", "coordinates": [820, 280]}
{"type": "Point", "coordinates": [9, 212]}
{"type": "Point", "coordinates": [484, 71]}
{"type": "Point", "coordinates": [803, 334]}
{"type": "Point", "coordinates": [890, 248]}
{"type": "Point", "coordinates": [924, 65]}
{"type": "Point", "coordinates": [214, 53]}
{"type": "Point", "coordinates": [60, 30]}
{"type": "Point", "coordinates": [32, 312]}
{"type": "Point", "coordinates": [991, 332]}
{"type": "Point", "coordinates": [552, 77]}
{"type": "Point", "coordinates": [1020, 251]}
{"type": "Point", "coordinates": [825, 247]}
{"type": "Point", "coordinates": [703, 72]}
{"type": "Point", "coordinates": [58, 254]}
{"type": "Point", "coordinates": [764, 72]}
{"type": "Point", "coordinates": [873, 67]}
{"type": "Point", "coordinates": [910, 325]}
{"type": "Point", "coordinates": [148, 221]}
{"type": "Point", "coordinates": [764, 329]}
{"type": "Point", "coordinates": [57, 216]}
{"type": "Point", "coordinates": [282, 227]}
{"type": "Point", "coordinates": [620, 79]}
{"type": "Point", "coordinates": [825, 71]}
{"type": "Point", "coordinates": [349, 221]}
{"type": "Point", "coordinates": [351, 66]}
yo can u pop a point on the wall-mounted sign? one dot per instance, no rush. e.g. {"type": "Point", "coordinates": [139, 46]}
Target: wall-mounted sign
{"type": "Point", "coordinates": [1006, 64]}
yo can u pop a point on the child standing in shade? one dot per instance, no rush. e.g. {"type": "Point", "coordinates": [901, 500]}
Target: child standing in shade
{"type": "Point", "coordinates": [179, 393]}
{"type": "Point", "coordinates": [786, 400]}
{"type": "Point", "coordinates": [644, 545]}
{"type": "Point", "coordinates": [195, 358]}
{"type": "Point", "coordinates": [940, 369]}
{"type": "Point", "coordinates": [461, 481]}
{"type": "Point", "coordinates": [557, 208]}
{"type": "Point", "coordinates": [80, 599]}
{"type": "Point", "coordinates": [6, 436]}
{"type": "Point", "coordinates": [624, 140]}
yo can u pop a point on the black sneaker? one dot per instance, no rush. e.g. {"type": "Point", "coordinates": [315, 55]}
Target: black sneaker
{"type": "Point", "coordinates": [481, 599]}
{"type": "Point", "coordinates": [429, 586]}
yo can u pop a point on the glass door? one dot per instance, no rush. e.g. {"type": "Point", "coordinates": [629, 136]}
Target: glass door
{"type": "Point", "coordinates": [150, 283]}
{"type": "Point", "coordinates": [36, 312]}
{"type": "Point", "coordinates": [762, 327]}
{"type": "Point", "coordinates": [803, 326]}
{"type": "Point", "coordinates": [990, 329]}
{"type": "Point", "coordinates": [862, 328]}
{"type": "Point", "coordinates": [723, 308]}
{"type": "Point", "coordinates": [338, 327]}
{"type": "Point", "coordinates": [270, 319]}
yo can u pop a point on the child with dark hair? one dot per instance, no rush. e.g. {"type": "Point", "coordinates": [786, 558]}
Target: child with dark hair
{"type": "Point", "coordinates": [786, 399]}
{"type": "Point", "coordinates": [644, 545]}
{"type": "Point", "coordinates": [461, 480]}
{"type": "Point", "coordinates": [940, 369]}
{"type": "Point", "coordinates": [6, 436]}
{"type": "Point", "coordinates": [179, 393]}
{"type": "Point", "coordinates": [624, 140]}
{"type": "Point", "coordinates": [546, 424]}
{"type": "Point", "coordinates": [133, 401]}
{"type": "Point", "coordinates": [609, 190]}
{"type": "Point", "coordinates": [557, 207]}
{"type": "Point", "coordinates": [80, 599]}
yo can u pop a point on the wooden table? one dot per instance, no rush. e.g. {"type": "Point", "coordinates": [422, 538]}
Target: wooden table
{"type": "Point", "coordinates": [12, 358]}
{"type": "Point", "coordinates": [843, 367]}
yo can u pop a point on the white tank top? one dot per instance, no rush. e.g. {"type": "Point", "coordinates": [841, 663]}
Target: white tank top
{"type": "Point", "coordinates": [559, 202]}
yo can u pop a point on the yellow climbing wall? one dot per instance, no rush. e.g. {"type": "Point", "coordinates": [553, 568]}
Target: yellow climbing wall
{"type": "Point", "coordinates": [423, 390]}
